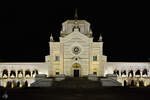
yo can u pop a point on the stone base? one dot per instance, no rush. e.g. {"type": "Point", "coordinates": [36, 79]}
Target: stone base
{"type": "Point", "coordinates": [93, 77]}
{"type": "Point", "coordinates": [41, 80]}
{"type": "Point", "coordinates": [112, 76]}
{"type": "Point", "coordinates": [60, 78]}
{"type": "Point", "coordinates": [42, 83]}
{"type": "Point", "coordinates": [109, 82]}
{"type": "Point", "coordinates": [40, 76]}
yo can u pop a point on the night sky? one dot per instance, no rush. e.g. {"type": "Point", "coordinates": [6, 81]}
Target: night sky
{"type": "Point", "coordinates": [24, 32]}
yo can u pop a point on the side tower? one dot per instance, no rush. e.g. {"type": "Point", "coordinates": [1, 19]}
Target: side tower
{"type": "Point", "coordinates": [76, 55]}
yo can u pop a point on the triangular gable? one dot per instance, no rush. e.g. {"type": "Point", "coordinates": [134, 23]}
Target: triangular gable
{"type": "Point", "coordinates": [76, 34]}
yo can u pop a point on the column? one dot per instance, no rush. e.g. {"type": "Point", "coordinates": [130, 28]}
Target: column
{"type": "Point", "coordinates": [148, 73]}
{"type": "Point", "coordinates": [62, 58]}
{"type": "Point", "coordinates": [127, 73]}
{"type": "Point", "coordinates": [1, 73]}
{"type": "Point", "coordinates": [134, 73]}
{"type": "Point", "coordinates": [141, 73]}
{"type": "Point", "coordinates": [8, 73]}
{"type": "Point", "coordinates": [120, 73]}
{"type": "Point", "coordinates": [31, 73]}
{"type": "Point", "coordinates": [17, 74]}
{"type": "Point", "coordinates": [23, 73]}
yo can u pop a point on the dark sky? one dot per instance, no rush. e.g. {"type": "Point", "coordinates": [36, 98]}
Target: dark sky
{"type": "Point", "coordinates": [24, 32]}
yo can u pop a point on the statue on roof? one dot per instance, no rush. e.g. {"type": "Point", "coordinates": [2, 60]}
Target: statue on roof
{"type": "Point", "coordinates": [51, 38]}
{"type": "Point", "coordinates": [100, 38]}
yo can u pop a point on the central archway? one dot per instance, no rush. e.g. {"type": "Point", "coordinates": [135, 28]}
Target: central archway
{"type": "Point", "coordinates": [76, 70]}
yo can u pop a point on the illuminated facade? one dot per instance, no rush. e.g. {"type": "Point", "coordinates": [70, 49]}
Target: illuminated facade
{"type": "Point", "coordinates": [75, 55]}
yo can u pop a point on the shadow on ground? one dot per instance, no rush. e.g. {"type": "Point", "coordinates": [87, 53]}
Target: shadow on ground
{"type": "Point", "coordinates": [102, 93]}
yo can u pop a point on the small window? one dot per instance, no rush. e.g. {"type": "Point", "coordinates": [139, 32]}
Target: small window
{"type": "Point", "coordinates": [94, 73]}
{"type": "Point", "coordinates": [57, 73]}
{"type": "Point", "coordinates": [76, 59]}
{"type": "Point", "coordinates": [57, 58]}
{"type": "Point", "coordinates": [94, 58]}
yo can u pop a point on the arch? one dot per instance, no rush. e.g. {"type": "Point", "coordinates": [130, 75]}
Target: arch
{"type": "Point", "coordinates": [35, 72]}
{"type": "Point", "coordinates": [76, 68]}
{"type": "Point", "coordinates": [9, 84]}
{"type": "Point", "coordinates": [18, 84]}
{"type": "Point", "coordinates": [125, 83]}
{"type": "Point", "coordinates": [94, 70]}
{"type": "Point", "coordinates": [5, 73]}
{"type": "Point", "coordinates": [130, 74]}
{"type": "Point", "coordinates": [20, 73]}
{"type": "Point", "coordinates": [132, 83]}
{"type": "Point", "coordinates": [76, 65]}
{"type": "Point", "coordinates": [138, 73]}
{"type": "Point", "coordinates": [12, 73]}
{"type": "Point", "coordinates": [123, 73]}
{"type": "Point", "coordinates": [145, 73]}
{"type": "Point", "coordinates": [141, 83]}
{"type": "Point", "coordinates": [28, 73]}
{"type": "Point", "coordinates": [26, 84]}
{"type": "Point", "coordinates": [116, 72]}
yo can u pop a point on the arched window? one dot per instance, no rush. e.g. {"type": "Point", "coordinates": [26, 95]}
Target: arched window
{"type": "Point", "coordinates": [27, 73]}
{"type": "Point", "coordinates": [20, 73]}
{"type": "Point", "coordinates": [116, 72]}
{"type": "Point", "coordinates": [35, 72]}
{"type": "Point", "coordinates": [130, 74]}
{"type": "Point", "coordinates": [12, 74]}
{"type": "Point", "coordinates": [138, 73]}
{"type": "Point", "coordinates": [144, 73]}
{"type": "Point", "coordinates": [5, 73]}
{"type": "Point", "coordinates": [123, 73]}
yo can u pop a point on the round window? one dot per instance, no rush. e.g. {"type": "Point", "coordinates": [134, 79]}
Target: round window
{"type": "Point", "coordinates": [76, 50]}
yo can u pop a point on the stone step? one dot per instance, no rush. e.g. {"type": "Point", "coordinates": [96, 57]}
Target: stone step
{"type": "Point", "coordinates": [77, 83]}
{"type": "Point", "coordinates": [42, 83]}
{"type": "Point", "coordinates": [110, 82]}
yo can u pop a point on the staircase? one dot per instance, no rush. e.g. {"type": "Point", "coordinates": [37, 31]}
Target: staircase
{"type": "Point", "coordinates": [77, 83]}
{"type": "Point", "coordinates": [42, 83]}
{"type": "Point", "coordinates": [110, 82]}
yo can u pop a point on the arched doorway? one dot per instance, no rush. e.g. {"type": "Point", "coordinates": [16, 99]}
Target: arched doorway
{"type": "Point", "coordinates": [9, 84]}
{"type": "Point", "coordinates": [76, 68]}
{"type": "Point", "coordinates": [18, 84]}
{"type": "Point", "coordinates": [132, 83]}
{"type": "Point", "coordinates": [125, 83]}
{"type": "Point", "coordinates": [141, 83]}
{"type": "Point", "coordinates": [26, 84]}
